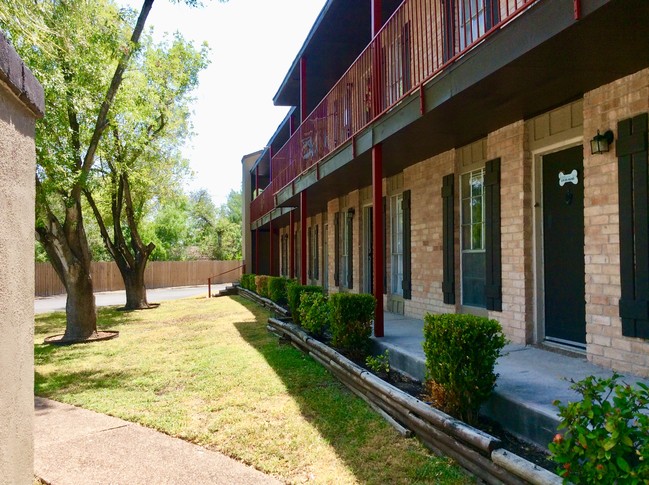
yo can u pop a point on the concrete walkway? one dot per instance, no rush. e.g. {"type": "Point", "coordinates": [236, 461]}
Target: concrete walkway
{"type": "Point", "coordinates": [46, 304]}
{"type": "Point", "coordinates": [530, 378]}
{"type": "Point", "coordinates": [75, 446]}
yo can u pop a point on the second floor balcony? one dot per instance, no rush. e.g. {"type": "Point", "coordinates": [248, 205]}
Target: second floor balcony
{"type": "Point", "coordinates": [424, 39]}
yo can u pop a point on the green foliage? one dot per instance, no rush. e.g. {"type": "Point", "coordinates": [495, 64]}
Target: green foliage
{"type": "Point", "coordinates": [261, 284]}
{"type": "Point", "coordinates": [379, 363]}
{"type": "Point", "coordinates": [351, 321]}
{"type": "Point", "coordinates": [606, 436]}
{"type": "Point", "coordinates": [294, 292]}
{"type": "Point", "coordinates": [461, 352]}
{"type": "Point", "coordinates": [314, 312]}
{"type": "Point", "coordinates": [248, 282]}
{"type": "Point", "coordinates": [277, 289]}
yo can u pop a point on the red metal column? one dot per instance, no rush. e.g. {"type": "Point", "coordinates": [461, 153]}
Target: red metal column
{"type": "Point", "coordinates": [303, 237]}
{"type": "Point", "coordinates": [376, 88]}
{"type": "Point", "coordinates": [376, 17]}
{"type": "Point", "coordinates": [303, 111]}
{"type": "Point", "coordinates": [291, 242]}
{"type": "Point", "coordinates": [256, 251]}
{"type": "Point", "coordinates": [377, 237]}
{"type": "Point", "coordinates": [377, 177]}
{"type": "Point", "coordinates": [270, 249]}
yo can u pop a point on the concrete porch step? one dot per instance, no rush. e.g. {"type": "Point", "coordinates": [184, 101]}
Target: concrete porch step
{"type": "Point", "coordinates": [530, 379]}
{"type": "Point", "coordinates": [227, 291]}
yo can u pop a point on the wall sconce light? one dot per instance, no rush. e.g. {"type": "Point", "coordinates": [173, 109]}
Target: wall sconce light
{"type": "Point", "coordinates": [600, 143]}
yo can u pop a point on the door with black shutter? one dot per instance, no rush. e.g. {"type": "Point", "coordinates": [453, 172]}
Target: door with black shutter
{"type": "Point", "coordinates": [563, 247]}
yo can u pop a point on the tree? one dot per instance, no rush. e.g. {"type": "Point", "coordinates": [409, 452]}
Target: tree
{"type": "Point", "coordinates": [80, 44]}
{"type": "Point", "coordinates": [140, 157]}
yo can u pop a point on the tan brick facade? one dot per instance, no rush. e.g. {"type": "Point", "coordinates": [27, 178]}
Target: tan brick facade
{"type": "Point", "coordinates": [603, 108]}
{"type": "Point", "coordinates": [518, 146]}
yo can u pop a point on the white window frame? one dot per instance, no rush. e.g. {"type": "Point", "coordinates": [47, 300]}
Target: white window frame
{"type": "Point", "coordinates": [396, 244]}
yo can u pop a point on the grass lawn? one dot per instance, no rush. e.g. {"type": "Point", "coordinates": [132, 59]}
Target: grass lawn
{"type": "Point", "coordinates": [207, 371]}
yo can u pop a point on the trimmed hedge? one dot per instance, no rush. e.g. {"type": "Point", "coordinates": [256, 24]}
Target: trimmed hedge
{"type": "Point", "coordinates": [261, 283]}
{"type": "Point", "coordinates": [461, 352]}
{"type": "Point", "coordinates": [294, 291]}
{"type": "Point", "coordinates": [351, 322]}
{"type": "Point", "coordinates": [248, 282]}
{"type": "Point", "coordinates": [277, 289]}
{"type": "Point", "coordinates": [314, 312]}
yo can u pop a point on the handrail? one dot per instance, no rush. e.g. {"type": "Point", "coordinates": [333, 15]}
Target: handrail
{"type": "Point", "coordinates": [209, 280]}
{"type": "Point", "coordinates": [416, 43]}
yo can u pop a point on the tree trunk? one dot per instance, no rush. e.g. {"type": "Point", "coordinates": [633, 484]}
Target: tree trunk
{"type": "Point", "coordinates": [67, 248]}
{"type": "Point", "coordinates": [81, 312]}
{"type": "Point", "coordinates": [135, 288]}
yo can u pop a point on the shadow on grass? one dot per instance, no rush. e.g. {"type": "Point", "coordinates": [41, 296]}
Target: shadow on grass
{"type": "Point", "coordinates": [342, 419]}
{"type": "Point", "coordinates": [79, 381]}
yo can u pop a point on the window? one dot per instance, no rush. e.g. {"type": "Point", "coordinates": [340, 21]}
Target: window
{"type": "Point", "coordinates": [397, 68]}
{"type": "Point", "coordinates": [344, 253]}
{"type": "Point", "coordinates": [309, 238]}
{"type": "Point", "coordinates": [465, 21]}
{"type": "Point", "coordinates": [473, 238]}
{"type": "Point", "coordinates": [396, 244]}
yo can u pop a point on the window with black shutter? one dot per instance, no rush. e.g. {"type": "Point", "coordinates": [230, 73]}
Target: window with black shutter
{"type": "Point", "coordinates": [337, 249]}
{"type": "Point", "coordinates": [349, 247]}
{"type": "Point", "coordinates": [407, 268]}
{"type": "Point", "coordinates": [493, 280]}
{"type": "Point", "coordinates": [633, 185]}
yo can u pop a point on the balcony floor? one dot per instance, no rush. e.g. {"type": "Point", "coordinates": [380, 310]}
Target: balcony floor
{"type": "Point", "coordinates": [530, 378]}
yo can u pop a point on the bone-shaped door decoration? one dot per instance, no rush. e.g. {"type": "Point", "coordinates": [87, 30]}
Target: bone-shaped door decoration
{"type": "Point", "coordinates": [568, 178]}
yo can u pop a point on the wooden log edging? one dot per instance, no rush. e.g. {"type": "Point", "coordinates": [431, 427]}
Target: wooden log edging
{"type": "Point", "coordinates": [475, 450]}
{"type": "Point", "coordinates": [265, 302]}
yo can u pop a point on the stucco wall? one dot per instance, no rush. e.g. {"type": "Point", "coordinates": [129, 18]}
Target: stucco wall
{"type": "Point", "coordinates": [20, 104]}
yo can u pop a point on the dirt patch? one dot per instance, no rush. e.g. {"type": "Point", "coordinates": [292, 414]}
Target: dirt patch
{"type": "Point", "coordinates": [96, 337]}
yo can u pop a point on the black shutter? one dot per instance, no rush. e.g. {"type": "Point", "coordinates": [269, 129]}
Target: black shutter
{"type": "Point", "coordinates": [448, 239]}
{"type": "Point", "coordinates": [385, 246]}
{"type": "Point", "coordinates": [350, 250]}
{"type": "Point", "coordinates": [309, 239]}
{"type": "Point", "coordinates": [337, 249]}
{"type": "Point", "coordinates": [407, 267]}
{"type": "Point", "coordinates": [316, 258]}
{"type": "Point", "coordinates": [493, 283]}
{"type": "Point", "coordinates": [634, 225]}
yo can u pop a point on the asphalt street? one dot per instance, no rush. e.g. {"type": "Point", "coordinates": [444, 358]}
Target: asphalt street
{"type": "Point", "coordinates": [108, 298]}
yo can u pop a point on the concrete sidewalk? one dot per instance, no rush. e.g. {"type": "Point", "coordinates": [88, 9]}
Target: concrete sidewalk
{"type": "Point", "coordinates": [76, 446]}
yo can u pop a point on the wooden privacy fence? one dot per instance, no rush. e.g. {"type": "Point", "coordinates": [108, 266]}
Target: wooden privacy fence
{"type": "Point", "coordinates": [158, 274]}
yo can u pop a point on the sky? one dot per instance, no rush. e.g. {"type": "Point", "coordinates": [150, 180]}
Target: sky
{"type": "Point", "coordinates": [253, 43]}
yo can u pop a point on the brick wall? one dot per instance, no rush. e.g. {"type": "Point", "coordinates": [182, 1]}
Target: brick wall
{"type": "Point", "coordinates": [425, 181]}
{"type": "Point", "coordinates": [509, 144]}
{"type": "Point", "coordinates": [603, 108]}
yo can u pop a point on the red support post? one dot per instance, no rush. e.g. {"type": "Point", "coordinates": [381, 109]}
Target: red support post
{"type": "Point", "coordinates": [376, 17]}
{"type": "Point", "coordinates": [376, 88]}
{"type": "Point", "coordinates": [378, 242]}
{"type": "Point", "coordinates": [270, 249]}
{"type": "Point", "coordinates": [291, 242]}
{"type": "Point", "coordinates": [303, 212]}
{"type": "Point", "coordinates": [257, 251]}
{"type": "Point", "coordinates": [303, 110]}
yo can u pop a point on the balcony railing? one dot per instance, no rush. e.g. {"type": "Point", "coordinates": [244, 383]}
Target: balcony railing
{"type": "Point", "coordinates": [420, 39]}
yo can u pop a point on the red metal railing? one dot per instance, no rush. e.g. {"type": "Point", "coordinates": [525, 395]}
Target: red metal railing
{"type": "Point", "coordinates": [209, 280]}
{"type": "Point", "coordinates": [420, 39]}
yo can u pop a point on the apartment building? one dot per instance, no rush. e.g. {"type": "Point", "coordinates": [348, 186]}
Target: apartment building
{"type": "Point", "coordinates": [469, 156]}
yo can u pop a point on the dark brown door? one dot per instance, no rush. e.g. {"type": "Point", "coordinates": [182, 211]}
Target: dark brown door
{"type": "Point", "coordinates": [563, 246]}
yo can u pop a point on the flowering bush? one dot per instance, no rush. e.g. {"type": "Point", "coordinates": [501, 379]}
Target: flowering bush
{"type": "Point", "coordinates": [606, 436]}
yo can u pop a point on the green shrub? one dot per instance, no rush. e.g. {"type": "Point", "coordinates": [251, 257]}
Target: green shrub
{"type": "Point", "coordinates": [294, 291]}
{"type": "Point", "coordinates": [248, 282]}
{"type": "Point", "coordinates": [351, 322]}
{"type": "Point", "coordinates": [607, 433]}
{"type": "Point", "coordinates": [261, 284]}
{"type": "Point", "coordinates": [379, 363]}
{"type": "Point", "coordinates": [314, 312]}
{"type": "Point", "coordinates": [277, 289]}
{"type": "Point", "coordinates": [461, 352]}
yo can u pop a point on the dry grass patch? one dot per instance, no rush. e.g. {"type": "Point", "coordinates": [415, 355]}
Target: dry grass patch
{"type": "Point", "coordinates": [207, 371]}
